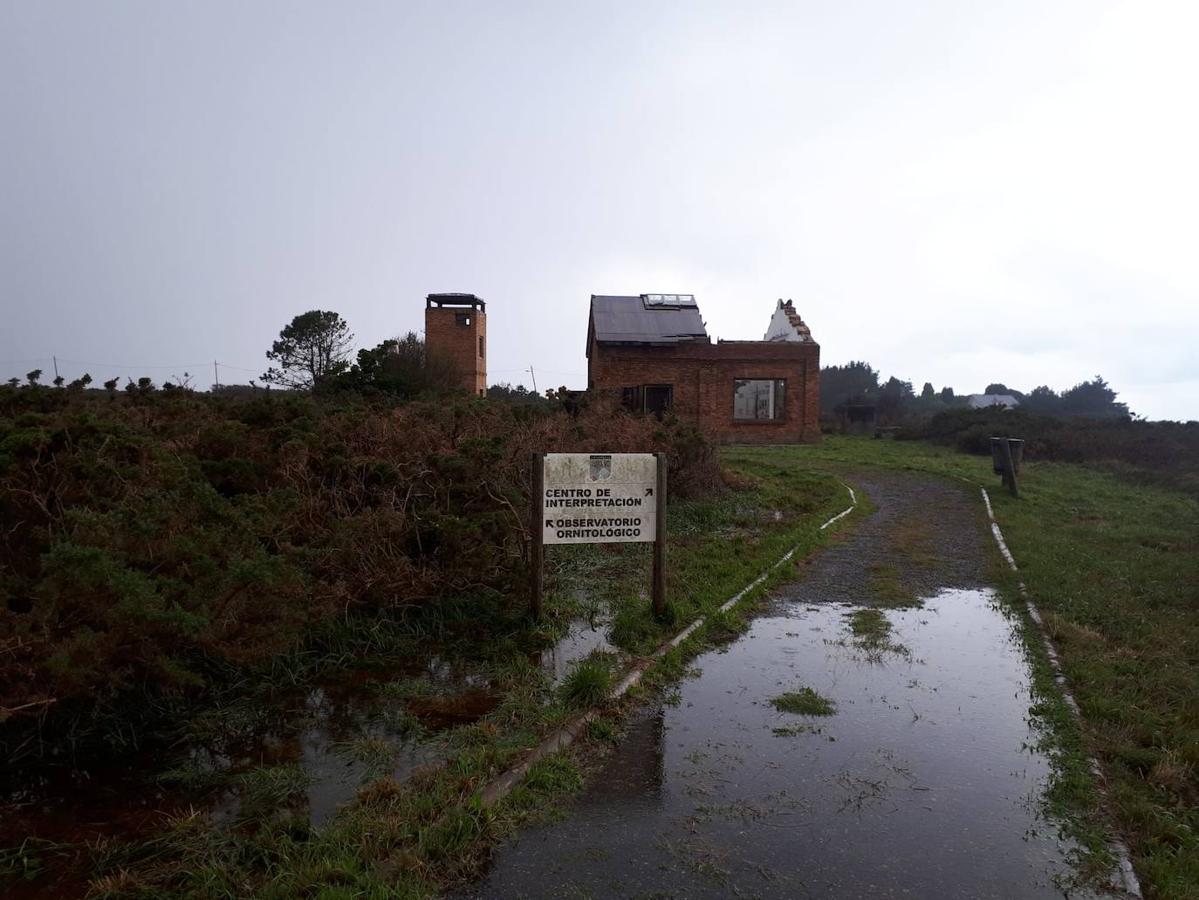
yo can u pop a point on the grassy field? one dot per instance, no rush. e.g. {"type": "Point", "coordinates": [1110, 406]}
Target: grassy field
{"type": "Point", "coordinates": [410, 839]}
{"type": "Point", "coordinates": [1111, 563]}
{"type": "Point", "coordinates": [1114, 567]}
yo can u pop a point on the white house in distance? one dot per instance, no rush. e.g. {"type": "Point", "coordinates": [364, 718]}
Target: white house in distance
{"type": "Point", "coordinates": [982, 401]}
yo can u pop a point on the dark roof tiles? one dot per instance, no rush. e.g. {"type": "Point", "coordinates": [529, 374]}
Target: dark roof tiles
{"type": "Point", "coordinates": [627, 320]}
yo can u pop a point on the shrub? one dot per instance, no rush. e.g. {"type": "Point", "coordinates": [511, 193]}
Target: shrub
{"type": "Point", "coordinates": [1168, 451]}
{"type": "Point", "coordinates": [157, 543]}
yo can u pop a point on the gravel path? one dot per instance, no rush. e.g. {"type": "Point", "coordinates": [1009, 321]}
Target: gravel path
{"type": "Point", "coordinates": [941, 521]}
{"type": "Point", "coordinates": [921, 783]}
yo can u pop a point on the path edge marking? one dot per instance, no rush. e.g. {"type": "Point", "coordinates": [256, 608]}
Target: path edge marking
{"type": "Point", "coordinates": [1126, 874]}
{"type": "Point", "coordinates": [499, 788]}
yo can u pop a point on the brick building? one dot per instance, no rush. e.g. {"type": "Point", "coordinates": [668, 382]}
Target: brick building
{"type": "Point", "coordinates": [653, 353]}
{"type": "Point", "coordinates": [456, 330]}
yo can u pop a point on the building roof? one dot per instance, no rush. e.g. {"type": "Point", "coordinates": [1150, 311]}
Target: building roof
{"type": "Point", "coordinates": [981, 401]}
{"type": "Point", "coordinates": [454, 299]}
{"type": "Point", "coordinates": [646, 319]}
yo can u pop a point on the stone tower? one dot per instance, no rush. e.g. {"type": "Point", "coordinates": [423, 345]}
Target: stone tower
{"type": "Point", "coordinates": [456, 329]}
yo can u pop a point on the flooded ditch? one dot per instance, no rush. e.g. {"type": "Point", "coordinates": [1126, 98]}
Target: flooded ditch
{"type": "Point", "coordinates": [306, 753]}
{"type": "Point", "coordinates": [583, 637]}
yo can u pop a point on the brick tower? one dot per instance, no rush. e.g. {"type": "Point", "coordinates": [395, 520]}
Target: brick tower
{"type": "Point", "coordinates": [456, 328]}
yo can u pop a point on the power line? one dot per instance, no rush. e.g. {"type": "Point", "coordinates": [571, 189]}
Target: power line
{"type": "Point", "coordinates": [131, 366]}
{"type": "Point", "coordinates": [239, 368]}
{"type": "Point", "coordinates": [111, 365]}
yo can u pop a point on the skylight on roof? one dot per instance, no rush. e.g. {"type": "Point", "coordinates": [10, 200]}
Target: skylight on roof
{"type": "Point", "coordinates": [668, 301]}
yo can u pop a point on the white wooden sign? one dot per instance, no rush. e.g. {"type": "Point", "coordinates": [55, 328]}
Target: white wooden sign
{"type": "Point", "coordinates": [599, 498]}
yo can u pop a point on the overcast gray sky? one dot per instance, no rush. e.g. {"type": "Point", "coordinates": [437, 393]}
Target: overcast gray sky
{"type": "Point", "coordinates": [957, 192]}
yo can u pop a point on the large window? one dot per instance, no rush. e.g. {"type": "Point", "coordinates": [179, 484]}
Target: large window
{"type": "Point", "coordinates": [757, 400]}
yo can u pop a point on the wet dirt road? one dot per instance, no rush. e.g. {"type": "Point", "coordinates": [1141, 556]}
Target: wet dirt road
{"type": "Point", "coordinates": [922, 782]}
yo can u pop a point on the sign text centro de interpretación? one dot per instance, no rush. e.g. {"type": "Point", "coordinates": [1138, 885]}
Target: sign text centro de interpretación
{"type": "Point", "coordinates": [599, 498]}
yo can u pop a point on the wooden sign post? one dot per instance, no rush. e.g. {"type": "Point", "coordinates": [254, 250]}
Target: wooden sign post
{"type": "Point", "coordinates": [537, 549]}
{"type": "Point", "coordinates": [659, 587]}
{"type": "Point", "coordinates": [598, 498]}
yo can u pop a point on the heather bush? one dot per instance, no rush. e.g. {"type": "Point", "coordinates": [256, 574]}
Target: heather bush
{"type": "Point", "coordinates": [156, 543]}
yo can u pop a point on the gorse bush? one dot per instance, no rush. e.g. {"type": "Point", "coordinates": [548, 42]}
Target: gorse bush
{"type": "Point", "coordinates": [156, 542]}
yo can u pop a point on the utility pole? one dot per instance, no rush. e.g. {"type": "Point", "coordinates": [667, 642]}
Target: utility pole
{"type": "Point", "coordinates": [216, 375]}
{"type": "Point", "coordinates": [55, 358]}
{"type": "Point", "coordinates": [531, 375]}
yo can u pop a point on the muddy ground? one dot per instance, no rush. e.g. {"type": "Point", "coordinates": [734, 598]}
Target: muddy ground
{"type": "Point", "coordinates": [910, 769]}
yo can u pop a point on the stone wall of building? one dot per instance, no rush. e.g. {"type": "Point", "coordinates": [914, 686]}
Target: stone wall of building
{"type": "Point", "coordinates": [702, 375]}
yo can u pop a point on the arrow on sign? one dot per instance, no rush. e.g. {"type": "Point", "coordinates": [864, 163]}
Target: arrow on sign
{"type": "Point", "coordinates": [549, 523]}
{"type": "Point", "coordinates": [649, 492]}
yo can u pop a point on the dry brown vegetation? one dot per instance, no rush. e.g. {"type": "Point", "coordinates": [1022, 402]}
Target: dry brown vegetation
{"type": "Point", "coordinates": [155, 543]}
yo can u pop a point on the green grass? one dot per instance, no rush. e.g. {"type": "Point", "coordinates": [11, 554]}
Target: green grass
{"type": "Point", "coordinates": [1113, 564]}
{"type": "Point", "coordinates": [796, 730]}
{"type": "Point", "coordinates": [589, 682]}
{"type": "Point", "coordinates": [413, 839]}
{"type": "Point", "coordinates": [377, 754]}
{"type": "Point", "coordinates": [717, 547]}
{"type": "Point", "coordinates": [265, 790]}
{"type": "Point", "coordinates": [886, 588]}
{"type": "Point", "coordinates": [803, 702]}
{"type": "Point", "coordinates": [871, 632]}
{"type": "Point", "coordinates": [724, 625]}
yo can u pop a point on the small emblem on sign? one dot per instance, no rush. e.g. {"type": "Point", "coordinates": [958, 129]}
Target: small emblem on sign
{"type": "Point", "coordinates": [601, 468]}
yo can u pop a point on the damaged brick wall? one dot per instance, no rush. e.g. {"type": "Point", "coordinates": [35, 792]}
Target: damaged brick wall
{"type": "Point", "coordinates": [702, 376]}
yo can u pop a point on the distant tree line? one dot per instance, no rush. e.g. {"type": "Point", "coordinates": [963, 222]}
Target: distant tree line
{"type": "Point", "coordinates": [894, 400]}
{"type": "Point", "coordinates": [313, 354]}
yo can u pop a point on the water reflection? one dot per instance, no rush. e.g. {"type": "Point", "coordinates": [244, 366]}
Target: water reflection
{"type": "Point", "coordinates": [922, 783]}
{"type": "Point", "coordinates": [583, 637]}
{"type": "Point", "coordinates": [318, 746]}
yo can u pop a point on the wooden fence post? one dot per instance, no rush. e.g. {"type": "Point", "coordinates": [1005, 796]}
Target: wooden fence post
{"type": "Point", "coordinates": [1009, 469]}
{"type": "Point", "coordinates": [659, 586]}
{"type": "Point", "coordinates": [537, 545]}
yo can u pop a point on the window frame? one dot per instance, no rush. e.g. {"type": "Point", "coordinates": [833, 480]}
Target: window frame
{"type": "Point", "coordinates": [778, 401]}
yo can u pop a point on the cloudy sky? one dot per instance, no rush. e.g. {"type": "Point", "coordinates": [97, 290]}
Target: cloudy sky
{"type": "Point", "coordinates": [957, 192]}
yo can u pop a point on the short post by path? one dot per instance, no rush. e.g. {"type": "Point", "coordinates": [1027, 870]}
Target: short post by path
{"type": "Point", "coordinates": [1009, 467]}
{"type": "Point", "coordinates": [598, 498]}
{"type": "Point", "coordinates": [1006, 453]}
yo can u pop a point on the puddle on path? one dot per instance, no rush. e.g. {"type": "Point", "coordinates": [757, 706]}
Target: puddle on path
{"type": "Point", "coordinates": [921, 784]}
